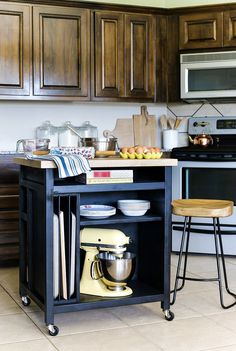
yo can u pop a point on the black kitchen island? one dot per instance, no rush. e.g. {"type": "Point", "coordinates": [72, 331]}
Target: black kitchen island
{"type": "Point", "coordinates": [42, 194]}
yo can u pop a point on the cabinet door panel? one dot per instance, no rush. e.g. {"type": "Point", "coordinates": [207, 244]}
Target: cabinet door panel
{"type": "Point", "coordinates": [109, 55]}
{"type": "Point", "coordinates": [229, 28]}
{"type": "Point", "coordinates": [139, 60]}
{"type": "Point", "coordinates": [61, 61]}
{"type": "Point", "coordinates": [201, 30]}
{"type": "Point", "coordinates": [14, 49]}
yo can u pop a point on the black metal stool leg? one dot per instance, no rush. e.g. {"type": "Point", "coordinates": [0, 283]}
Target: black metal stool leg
{"type": "Point", "coordinates": [224, 270]}
{"type": "Point", "coordinates": [177, 277]}
{"type": "Point", "coordinates": [218, 263]}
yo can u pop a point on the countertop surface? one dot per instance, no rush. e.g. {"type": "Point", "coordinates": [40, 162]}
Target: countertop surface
{"type": "Point", "coordinates": [108, 162]}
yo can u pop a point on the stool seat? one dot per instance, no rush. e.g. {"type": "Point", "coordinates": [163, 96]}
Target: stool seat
{"type": "Point", "coordinates": [202, 208]}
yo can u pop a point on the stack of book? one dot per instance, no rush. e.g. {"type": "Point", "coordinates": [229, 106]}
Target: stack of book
{"type": "Point", "coordinates": [105, 176]}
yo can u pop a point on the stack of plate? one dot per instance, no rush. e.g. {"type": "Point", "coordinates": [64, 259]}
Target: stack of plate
{"type": "Point", "coordinates": [133, 207]}
{"type": "Point", "coordinates": [97, 211]}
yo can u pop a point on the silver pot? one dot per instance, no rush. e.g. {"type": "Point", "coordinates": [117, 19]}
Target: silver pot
{"type": "Point", "coordinates": [105, 144]}
{"type": "Point", "coordinates": [87, 141]}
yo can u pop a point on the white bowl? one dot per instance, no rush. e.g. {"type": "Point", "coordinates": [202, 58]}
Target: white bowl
{"type": "Point", "coordinates": [133, 204]}
{"type": "Point", "coordinates": [133, 212]}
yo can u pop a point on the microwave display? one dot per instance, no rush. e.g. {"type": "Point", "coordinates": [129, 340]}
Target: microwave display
{"type": "Point", "coordinates": [212, 79]}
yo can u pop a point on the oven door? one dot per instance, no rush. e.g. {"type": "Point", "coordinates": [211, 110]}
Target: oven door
{"type": "Point", "coordinates": [209, 180]}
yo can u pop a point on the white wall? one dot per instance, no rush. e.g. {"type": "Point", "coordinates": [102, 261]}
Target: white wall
{"type": "Point", "coordinates": [18, 120]}
{"type": "Point", "coordinates": [182, 3]}
{"type": "Point", "coordinates": [152, 3]}
{"type": "Point", "coordinates": [165, 3]}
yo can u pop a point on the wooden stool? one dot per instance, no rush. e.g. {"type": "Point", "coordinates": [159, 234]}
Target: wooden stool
{"type": "Point", "coordinates": [202, 208]}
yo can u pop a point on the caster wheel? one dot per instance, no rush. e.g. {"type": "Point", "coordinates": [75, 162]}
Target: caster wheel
{"type": "Point", "coordinates": [169, 316]}
{"type": "Point", "coordinates": [25, 301]}
{"type": "Point", "coordinates": [53, 330]}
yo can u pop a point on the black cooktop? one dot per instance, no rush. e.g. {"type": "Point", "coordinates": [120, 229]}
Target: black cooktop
{"type": "Point", "coordinates": [205, 153]}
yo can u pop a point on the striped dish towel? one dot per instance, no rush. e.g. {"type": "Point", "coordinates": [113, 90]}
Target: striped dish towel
{"type": "Point", "coordinates": [67, 165]}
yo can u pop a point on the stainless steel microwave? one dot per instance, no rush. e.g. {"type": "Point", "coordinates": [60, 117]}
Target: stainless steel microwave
{"type": "Point", "coordinates": [208, 75]}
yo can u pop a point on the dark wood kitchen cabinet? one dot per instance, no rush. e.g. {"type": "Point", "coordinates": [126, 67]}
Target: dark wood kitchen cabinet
{"type": "Point", "coordinates": [15, 49]}
{"type": "Point", "coordinates": [109, 54]}
{"type": "Point", "coordinates": [61, 39]}
{"type": "Point", "coordinates": [9, 216]}
{"type": "Point", "coordinates": [207, 30]}
{"type": "Point", "coordinates": [124, 55]}
{"type": "Point", "coordinates": [229, 38]}
{"type": "Point", "coordinates": [201, 30]}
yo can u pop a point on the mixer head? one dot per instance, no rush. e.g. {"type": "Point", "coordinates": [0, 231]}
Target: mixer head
{"type": "Point", "coordinates": [112, 240]}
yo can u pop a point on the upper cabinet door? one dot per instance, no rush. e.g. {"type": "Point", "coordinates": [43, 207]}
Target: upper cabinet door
{"type": "Point", "coordinates": [15, 49]}
{"type": "Point", "coordinates": [140, 53]}
{"type": "Point", "coordinates": [109, 54]}
{"type": "Point", "coordinates": [229, 28]}
{"type": "Point", "coordinates": [61, 51]}
{"type": "Point", "coordinates": [201, 30]}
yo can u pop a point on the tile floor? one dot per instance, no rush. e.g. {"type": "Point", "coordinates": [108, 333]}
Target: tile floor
{"type": "Point", "coordinates": [200, 323]}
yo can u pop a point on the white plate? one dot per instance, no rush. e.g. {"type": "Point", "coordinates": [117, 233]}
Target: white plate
{"type": "Point", "coordinates": [97, 211]}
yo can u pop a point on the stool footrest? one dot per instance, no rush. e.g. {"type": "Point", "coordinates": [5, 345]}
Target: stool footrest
{"type": "Point", "coordinates": [199, 279]}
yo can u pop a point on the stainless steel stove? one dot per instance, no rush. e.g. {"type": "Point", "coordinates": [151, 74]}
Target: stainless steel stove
{"type": "Point", "coordinates": [223, 132]}
{"type": "Point", "coordinates": [203, 172]}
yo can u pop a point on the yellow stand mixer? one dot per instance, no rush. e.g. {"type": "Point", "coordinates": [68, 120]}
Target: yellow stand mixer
{"type": "Point", "coordinates": [107, 264]}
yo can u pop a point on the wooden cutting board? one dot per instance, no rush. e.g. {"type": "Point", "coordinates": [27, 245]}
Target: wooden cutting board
{"type": "Point", "coordinates": [123, 131]}
{"type": "Point", "coordinates": [145, 128]}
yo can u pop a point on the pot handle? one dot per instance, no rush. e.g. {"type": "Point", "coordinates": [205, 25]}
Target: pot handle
{"type": "Point", "coordinates": [20, 141]}
{"type": "Point", "coordinates": [96, 266]}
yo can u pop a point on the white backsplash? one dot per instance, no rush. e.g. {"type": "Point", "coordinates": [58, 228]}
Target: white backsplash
{"type": "Point", "coordinates": [198, 110]}
{"type": "Point", "coordinates": [20, 119]}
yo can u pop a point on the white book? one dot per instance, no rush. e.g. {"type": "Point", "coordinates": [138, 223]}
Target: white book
{"type": "Point", "coordinates": [72, 254]}
{"type": "Point", "coordinates": [108, 180]}
{"type": "Point", "coordinates": [113, 173]}
{"type": "Point", "coordinates": [63, 257]}
{"type": "Point", "coordinates": [56, 256]}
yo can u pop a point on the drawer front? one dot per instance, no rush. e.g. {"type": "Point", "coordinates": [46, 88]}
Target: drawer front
{"type": "Point", "coordinates": [7, 238]}
{"type": "Point", "coordinates": [9, 189]}
{"type": "Point", "coordinates": [9, 202]}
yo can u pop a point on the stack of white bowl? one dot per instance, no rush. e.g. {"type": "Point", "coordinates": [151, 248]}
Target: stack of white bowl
{"type": "Point", "coordinates": [133, 207]}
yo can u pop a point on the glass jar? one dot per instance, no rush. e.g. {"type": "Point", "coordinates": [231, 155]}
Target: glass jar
{"type": "Point", "coordinates": [48, 131]}
{"type": "Point", "coordinates": [67, 138]}
{"type": "Point", "coordinates": [86, 130]}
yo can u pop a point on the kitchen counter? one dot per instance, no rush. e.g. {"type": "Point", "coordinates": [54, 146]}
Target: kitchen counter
{"type": "Point", "coordinates": [103, 162]}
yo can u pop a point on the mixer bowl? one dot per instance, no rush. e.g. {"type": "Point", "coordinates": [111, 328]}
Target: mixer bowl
{"type": "Point", "coordinates": [116, 271]}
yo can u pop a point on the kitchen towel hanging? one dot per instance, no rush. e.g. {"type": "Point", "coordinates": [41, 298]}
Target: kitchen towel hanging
{"type": "Point", "coordinates": [68, 165]}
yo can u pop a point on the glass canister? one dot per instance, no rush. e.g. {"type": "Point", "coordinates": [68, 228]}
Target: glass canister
{"type": "Point", "coordinates": [86, 130]}
{"type": "Point", "coordinates": [48, 131]}
{"type": "Point", "coordinates": [67, 138]}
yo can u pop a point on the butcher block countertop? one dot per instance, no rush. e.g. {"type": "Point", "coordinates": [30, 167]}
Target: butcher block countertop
{"type": "Point", "coordinates": [108, 162]}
